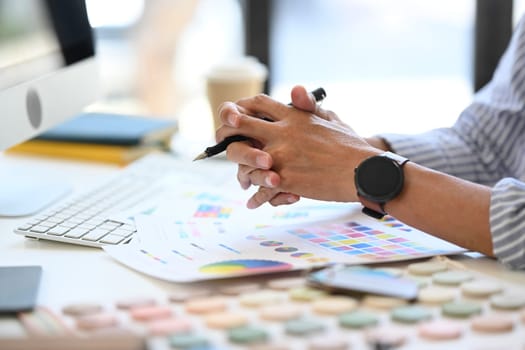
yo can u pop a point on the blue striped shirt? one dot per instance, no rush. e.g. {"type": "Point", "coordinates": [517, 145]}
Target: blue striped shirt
{"type": "Point", "coordinates": [487, 145]}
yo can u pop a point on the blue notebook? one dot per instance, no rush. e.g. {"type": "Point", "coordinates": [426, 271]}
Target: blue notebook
{"type": "Point", "coordinates": [112, 129]}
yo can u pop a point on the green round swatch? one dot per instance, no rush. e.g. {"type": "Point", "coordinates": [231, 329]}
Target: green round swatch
{"type": "Point", "coordinates": [462, 309]}
{"type": "Point", "coordinates": [303, 327]}
{"type": "Point", "coordinates": [247, 335]}
{"type": "Point", "coordinates": [411, 314]}
{"type": "Point", "coordinates": [451, 278]}
{"type": "Point", "coordinates": [188, 341]}
{"type": "Point", "coordinates": [358, 319]}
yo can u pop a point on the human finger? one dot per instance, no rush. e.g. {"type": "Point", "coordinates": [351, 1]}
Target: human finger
{"type": "Point", "coordinates": [246, 154]}
{"type": "Point", "coordinates": [305, 101]}
{"type": "Point", "coordinates": [302, 99]}
{"type": "Point", "coordinates": [237, 123]}
{"type": "Point", "coordinates": [250, 176]}
{"type": "Point", "coordinates": [284, 198]}
{"type": "Point", "coordinates": [263, 195]}
{"type": "Point", "coordinates": [263, 105]}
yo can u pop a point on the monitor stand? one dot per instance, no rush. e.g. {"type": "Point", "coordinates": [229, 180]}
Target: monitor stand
{"type": "Point", "coordinates": [27, 195]}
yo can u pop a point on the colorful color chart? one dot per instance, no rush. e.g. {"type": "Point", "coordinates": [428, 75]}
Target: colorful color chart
{"type": "Point", "coordinates": [390, 221]}
{"type": "Point", "coordinates": [360, 241]}
{"type": "Point", "coordinates": [212, 211]}
{"type": "Point", "coordinates": [245, 267]}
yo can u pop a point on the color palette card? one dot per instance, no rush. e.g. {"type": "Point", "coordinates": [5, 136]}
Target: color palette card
{"type": "Point", "coordinates": [212, 252]}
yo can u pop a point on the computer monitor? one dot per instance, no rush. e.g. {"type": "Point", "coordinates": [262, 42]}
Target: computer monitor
{"type": "Point", "coordinates": [48, 74]}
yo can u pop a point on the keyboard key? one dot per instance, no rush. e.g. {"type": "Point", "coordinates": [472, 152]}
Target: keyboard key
{"type": "Point", "coordinates": [58, 230]}
{"type": "Point", "coordinates": [112, 239]}
{"type": "Point", "coordinates": [47, 223]}
{"type": "Point", "coordinates": [76, 233]}
{"type": "Point", "coordinates": [40, 229]}
{"type": "Point", "coordinates": [122, 232]}
{"type": "Point", "coordinates": [95, 235]}
{"type": "Point", "coordinates": [25, 227]}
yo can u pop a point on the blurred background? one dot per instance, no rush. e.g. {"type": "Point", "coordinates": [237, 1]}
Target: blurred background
{"type": "Point", "coordinates": [396, 66]}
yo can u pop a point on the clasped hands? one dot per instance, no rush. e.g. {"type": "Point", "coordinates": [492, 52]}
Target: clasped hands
{"type": "Point", "coordinates": [304, 151]}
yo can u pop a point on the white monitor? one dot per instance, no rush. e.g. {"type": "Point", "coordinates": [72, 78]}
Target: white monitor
{"type": "Point", "coordinates": [48, 74]}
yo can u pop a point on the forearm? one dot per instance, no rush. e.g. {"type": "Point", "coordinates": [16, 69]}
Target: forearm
{"type": "Point", "coordinates": [445, 206]}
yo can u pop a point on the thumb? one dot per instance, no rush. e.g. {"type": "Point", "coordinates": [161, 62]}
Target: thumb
{"type": "Point", "coordinates": [302, 99]}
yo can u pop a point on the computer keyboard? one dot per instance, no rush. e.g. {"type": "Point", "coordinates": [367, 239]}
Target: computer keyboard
{"type": "Point", "coordinates": [92, 219]}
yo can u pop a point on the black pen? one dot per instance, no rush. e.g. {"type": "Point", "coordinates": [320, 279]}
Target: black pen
{"type": "Point", "coordinates": [319, 95]}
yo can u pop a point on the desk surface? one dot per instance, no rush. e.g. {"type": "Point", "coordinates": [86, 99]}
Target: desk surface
{"type": "Point", "coordinates": [74, 273]}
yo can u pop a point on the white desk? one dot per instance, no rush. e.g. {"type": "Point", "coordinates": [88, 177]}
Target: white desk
{"type": "Point", "coordinates": [73, 274]}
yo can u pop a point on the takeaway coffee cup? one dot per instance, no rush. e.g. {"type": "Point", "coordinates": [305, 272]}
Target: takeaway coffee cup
{"type": "Point", "coordinates": [232, 81]}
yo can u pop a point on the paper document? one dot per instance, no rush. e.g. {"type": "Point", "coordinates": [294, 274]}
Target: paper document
{"type": "Point", "coordinates": [201, 249]}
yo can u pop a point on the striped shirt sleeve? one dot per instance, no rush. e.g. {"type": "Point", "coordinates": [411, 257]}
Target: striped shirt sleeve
{"type": "Point", "coordinates": [487, 145]}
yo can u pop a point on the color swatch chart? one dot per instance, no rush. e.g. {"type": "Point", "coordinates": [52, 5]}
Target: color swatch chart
{"type": "Point", "coordinates": [211, 252]}
{"type": "Point", "coordinates": [370, 243]}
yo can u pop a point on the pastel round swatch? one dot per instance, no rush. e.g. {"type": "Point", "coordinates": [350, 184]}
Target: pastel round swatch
{"type": "Point", "coordinates": [286, 283]}
{"type": "Point", "coordinates": [508, 301]}
{"type": "Point", "coordinates": [247, 335]}
{"type": "Point", "coordinates": [328, 343]}
{"type": "Point", "coordinates": [184, 295]}
{"type": "Point", "coordinates": [169, 326]}
{"type": "Point", "coordinates": [188, 341]}
{"type": "Point", "coordinates": [427, 268]}
{"type": "Point", "coordinates": [380, 302]}
{"type": "Point", "coordinates": [480, 288]}
{"type": "Point", "coordinates": [440, 330]}
{"type": "Point", "coordinates": [303, 327]}
{"type": "Point", "coordinates": [436, 295]}
{"type": "Point", "coordinates": [306, 294]}
{"type": "Point", "coordinates": [411, 314]}
{"type": "Point", "coordinates": [130, 303]}
{"type": "Point", "coordinates": [493, 323]}
{"type": "Point", "coordinates": [205, 305]}
{"type": "Point", "coordinates": [260, 298]}
{"type": "Point", "coordinates": [284, 312]}
{"type": "Point", "coordinates": [385, 337]}
{"type": "Point", "coordinates": [236, 289]}
{"type": "Point", "coordinates": [461, 309]}
{"type": "Point", "coordinates": [358, 319]}
{"type": "Point", "coordinates": [149, 313]}
{"type": "Point", "coordinates": [97, 321]}
{"type": "Point", "coordinates": [452, 278]}
{"type": "Point", "coordinates": [269, 347]}
{"type": "Point", "coordinates": [226, 320]}
{"type": "Point", "coordinates": [82, 309]}
{"type": "Point", "coordinates": [334, 305]}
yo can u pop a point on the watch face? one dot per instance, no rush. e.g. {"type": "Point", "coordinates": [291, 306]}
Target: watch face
{"type": "Point", "coordinates": [379, 178]}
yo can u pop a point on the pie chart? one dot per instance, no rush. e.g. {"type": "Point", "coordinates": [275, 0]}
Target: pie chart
{"type": "Point", "coordinates": [245, 267]}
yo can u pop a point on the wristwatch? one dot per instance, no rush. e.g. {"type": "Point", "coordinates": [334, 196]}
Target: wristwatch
{"type": "Point", "coordinates": [379, 179]}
